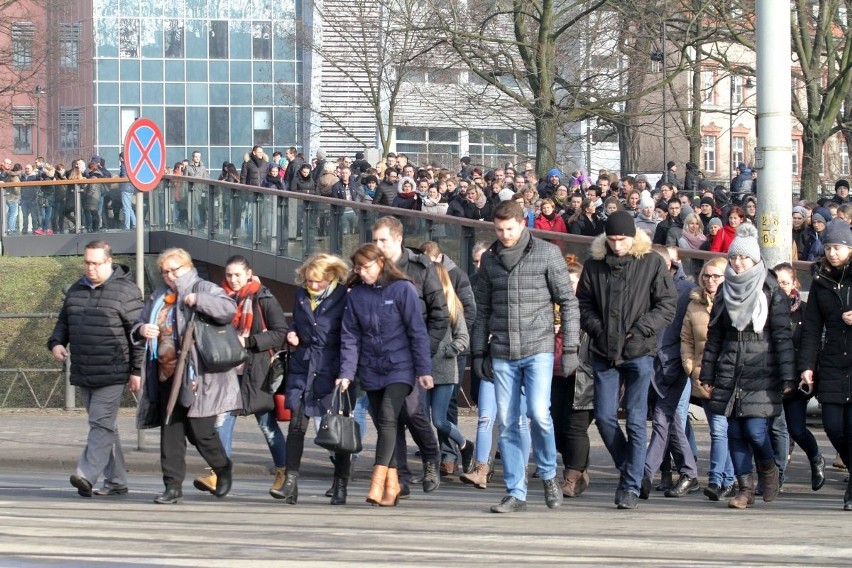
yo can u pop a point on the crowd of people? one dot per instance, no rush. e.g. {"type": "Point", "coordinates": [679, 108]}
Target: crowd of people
{"type": "Point", "coordinates": [553, 344]}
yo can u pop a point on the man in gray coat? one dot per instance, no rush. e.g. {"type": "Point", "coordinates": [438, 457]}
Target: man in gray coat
{"type": "Point", "coordinates": [520, 280]}
{"type": "Point", "coordinates": [95, 322]}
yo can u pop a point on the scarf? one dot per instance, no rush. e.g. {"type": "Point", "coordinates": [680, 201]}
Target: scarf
{"type": "Point", "coordinates": [560, 202]}
{"type": "Point", "coordinates": [244, 297]}
{"type": "Point", "coordinates": [480, 201]}
{"type": "Point", "coordinates": [511, 256]}
{"type": "Point", "coordinates": [742, 295]}
{"type": "Point", "coordinates": [795, 301]}
{"type": "Point", "coordinates": [371, 193]}
{"type": "Point", "coordinates": [163, 349]}
{"type": "Point", "coordinates": [316, 298]}
{"type": "Point", "coordinates": [407, 194]}
{"type": "Point", "coordinates": [695, 241]}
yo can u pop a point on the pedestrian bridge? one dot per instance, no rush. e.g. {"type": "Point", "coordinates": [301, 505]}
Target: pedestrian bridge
{"type": "Point", "coordinates": [276, 230]}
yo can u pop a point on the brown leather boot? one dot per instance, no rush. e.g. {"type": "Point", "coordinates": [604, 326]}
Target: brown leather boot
{"type": "Point", "coordinates": [768, 478]}
{"type": "Point", "coordinates": [478, 476]}
{"type": "Point", "coordinates": [575, 483]}
{"type": "Point", "coordinates": [392, 489]}
{"type": "Point", "coordinates": [377, 484]}
{"type": "Point", "coordinates": [745, 493]}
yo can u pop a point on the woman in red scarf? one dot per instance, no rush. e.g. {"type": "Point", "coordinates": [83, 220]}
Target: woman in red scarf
{"type": "Point", "coordinates": [262, 327]}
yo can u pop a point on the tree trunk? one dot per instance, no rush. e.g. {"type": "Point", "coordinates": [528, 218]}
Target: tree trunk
{"type": "Point", "coordinates": [628, 147]}
{"type": "Point", "coordinates": [545, 150]}
{"type": "Point", "coordinates": [693, 134]}
{"type": "Point", "coordinates": [812, 145]}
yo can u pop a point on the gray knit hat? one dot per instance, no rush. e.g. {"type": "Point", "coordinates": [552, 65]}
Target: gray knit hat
{"type": "Point", "coordinates": [838, 232]}
{"type": "Point", "coordinates": [745, 244]}
{"type": "Point", "coordinates": [715, 221]}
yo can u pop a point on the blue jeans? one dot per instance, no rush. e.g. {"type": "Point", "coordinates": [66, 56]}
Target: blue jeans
{"type": "Point", "coordinates": [11, 216]}
{"type": "Point", "coordinates": [30, 212]}
{"type": "Point", "coordinates": [780, 438]}
{"type": "Point", "coordinates": [268, 425]}
{"type": "Point", "coordinates": [438, 401]}
{"type": "Point", "coordinates": [683, 416]}
{"type": "Point", "coordinates": [796, 411]}
{"type": "Point", "coordinates": [531, 375]}
{"type": "Point", "coordinates": [628, 452]}
{"type": "Point", "coordinates": [46, 217]}
{"type": "Point", "coordinates": [721, 470]}
{"type": "Point", "coordinates": [127, 209]}
{"type": "Point", "coordinates": [747, 435]}
{"type": "Point", "coordinates": [487, 406]}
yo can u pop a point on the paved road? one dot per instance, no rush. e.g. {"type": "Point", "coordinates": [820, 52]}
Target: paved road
{"type": "Point", "coordinates": [44, 523]}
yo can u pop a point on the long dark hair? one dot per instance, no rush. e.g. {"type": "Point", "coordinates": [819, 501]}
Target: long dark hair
{"type": "Point", "coordinates": [368, 253]}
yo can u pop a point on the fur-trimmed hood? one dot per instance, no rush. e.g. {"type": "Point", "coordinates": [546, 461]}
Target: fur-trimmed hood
{"type": "Point", "coordinates": [641, 246]}
{"type": "Point", "coordinates": [699, 294]}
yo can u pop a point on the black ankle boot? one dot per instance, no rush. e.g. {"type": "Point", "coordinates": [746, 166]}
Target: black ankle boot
{"type": "Point", "coordinates": [290, 489]}
{"type": "Point", "coordinates": [223, 480]}
{"type": "Point", "coordinates": [817, 473]}
{"type": "Point", "coordinates": [847, 497]}
{"type": "Point", "coordinates": [339, 497]}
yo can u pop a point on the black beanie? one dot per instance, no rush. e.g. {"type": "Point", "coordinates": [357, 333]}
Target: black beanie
{"type": "Point", "coordinates": [620, 224]}
{"type": "Point", "coordinates": [841, 183]}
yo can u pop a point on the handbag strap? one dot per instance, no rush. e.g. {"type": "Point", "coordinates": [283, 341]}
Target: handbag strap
{"type": "Point", "coordinates": [337, 399]}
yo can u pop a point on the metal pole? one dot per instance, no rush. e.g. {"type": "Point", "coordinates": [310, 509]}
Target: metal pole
{"type": "Point", "coordinates": [772, 159]}
{"type": "Point", "coordinates": [665, 112]}
{"type": "Point", "coordinates": [731, 131]}
{"type": "Point", "coordinates": [140, 275]}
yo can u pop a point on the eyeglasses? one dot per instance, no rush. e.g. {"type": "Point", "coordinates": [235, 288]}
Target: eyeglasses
{"type": "Point", "coordinates": [713, 276]}
{"type": "Point", "coordinates": [89, 264]}
{"type": "Point", "coordinates": [172, 271]}
{"type": "Point", "coordinates": [358, 269]}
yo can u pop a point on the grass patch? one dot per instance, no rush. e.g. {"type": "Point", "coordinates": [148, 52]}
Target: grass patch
{"type": "Point", "coordinates": [34, 285]}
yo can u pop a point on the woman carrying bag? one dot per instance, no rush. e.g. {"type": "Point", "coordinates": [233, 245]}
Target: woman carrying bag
{"type": "Point", "coordinates": [315, 364]}
{"type": "Point", "coordinates": [261, 326]}
{"type": "Point", "coordinates": [203, 394]}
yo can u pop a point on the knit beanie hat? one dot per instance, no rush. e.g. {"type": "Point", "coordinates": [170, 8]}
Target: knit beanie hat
{"type": "Point", "coordinates": [838, 232]}
{"type": "Point", "coordinates": [620, 224]}
{"type": "Point", "coordinates": [708, 201]}
{"type": "Point", "coordinates": [505, 194]}
{"type": "Point", "coordinates": [641, 177]}
{"type": "Point", "coordinates": [800, 210]}
{"type": "Point", "coordinates": [715, 221]}
{"type": "Point", "coordinates": [821, 214]}
{"type": "Point", "coordinates": [841, 183]}
{"type": "Point", "coordinates": [646, 201]}
{"type": "Point", "coordinates": [745, 244]}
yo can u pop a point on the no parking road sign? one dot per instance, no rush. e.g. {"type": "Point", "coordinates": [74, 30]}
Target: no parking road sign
{"type": "Point", "coordinates": [144, 154]}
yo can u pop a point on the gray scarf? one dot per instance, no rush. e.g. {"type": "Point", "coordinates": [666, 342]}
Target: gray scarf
{"type": "Point", "coordinates": [741, 292]}
{"type": "Point", "coordinates": [510, 256]}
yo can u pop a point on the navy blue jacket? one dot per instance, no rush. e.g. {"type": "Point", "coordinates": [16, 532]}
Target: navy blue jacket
{"type": "Point", "coordinates": [384, 338]}
{"type": "Point", "coordinates": [315, 364]}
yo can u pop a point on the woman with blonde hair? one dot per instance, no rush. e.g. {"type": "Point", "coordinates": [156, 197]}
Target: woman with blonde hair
{"type": "Point", "coordinates": [315, 364]}
{"type": "Point", "coordinates": [445, 370]}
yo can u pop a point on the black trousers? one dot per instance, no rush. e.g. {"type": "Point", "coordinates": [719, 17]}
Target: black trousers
{"type": "Point", "coordinates": [386, 406]}
{"type": "Point", "coordinates": [201, 433]}
{"type": "Point", "coordinates": [296, 445]}
{"type": "Point", "coordinates": [570, 426]}
{"type": "Point", "coordinates": [415, 417]}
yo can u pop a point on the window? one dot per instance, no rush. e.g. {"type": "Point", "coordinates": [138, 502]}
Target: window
{"type": "Point", "coordinates": [844, 161]}
{"type": "Point", "coordinates": [736, 90]}
{"type": "Point", "coordinates": [263, 126]}
{"type": "Point", "coordinates": [491, 148]}
{"type": "Point", "coordinates": [174, 38]}
{"type": "Point", "coordinates": [69, 128]}
{"type": "Point", "coordinates": [218, 47]}
{"type": "Point", "coordinates": [737, 150]}
{"type": "Point", "coordinates": [261, 40]}
{"type": "Point", "coordinates": [128, 38]}
{"type": "Point", "coordinates": [794, 154]}
{"type": "Point", "coordinates": [425, 146]}
{"type": "Point", "coordinates": [23, 119]}
{"type": "Point", "coordinates": [708, 147]}
{"type": "Point", "coordinates": [23, 34]}
{"type": "Point", "coordinates": [707, 87]}
{"type": "Point", "coordinates": [175, 126]}
{"type": "Point", "coordinates": [128, 117]}
{"type": "Point", "coordinates": [69, 46]}
{"type": "Point", "coordinates": [219, 126]}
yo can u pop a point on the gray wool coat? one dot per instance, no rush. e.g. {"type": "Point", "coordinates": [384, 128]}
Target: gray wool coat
{"type": "Point", "coordinates": [216, 392]}
{"type": "Point", "coordinates": [445, 369]}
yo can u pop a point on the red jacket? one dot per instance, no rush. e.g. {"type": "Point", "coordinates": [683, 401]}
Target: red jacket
{"type": "Point", "coordinates": [557, 225]}
{"type": "Point", "coordinates": [723, 239]}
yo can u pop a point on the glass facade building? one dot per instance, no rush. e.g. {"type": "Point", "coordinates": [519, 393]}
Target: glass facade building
{"type": "Point", "coordinates": [218, 76]}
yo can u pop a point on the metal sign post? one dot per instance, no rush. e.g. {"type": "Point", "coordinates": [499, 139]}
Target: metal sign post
{"type": "Point", "coordinates": [145, 161]}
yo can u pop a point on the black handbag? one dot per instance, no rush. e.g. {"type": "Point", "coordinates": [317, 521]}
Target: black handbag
{"type": "Point", "coordinates": [276, 375]}
{"type": "Point", "coordinates": [338, 431]}
{"type": "Point", "coordinates": [218, 345]}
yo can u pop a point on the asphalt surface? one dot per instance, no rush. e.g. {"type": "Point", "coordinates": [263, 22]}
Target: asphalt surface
{"type": "Point", "coordinates": [43, 522]}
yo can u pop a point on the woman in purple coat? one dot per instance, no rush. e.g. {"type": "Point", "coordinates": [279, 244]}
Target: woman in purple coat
{"type": "Point", "coordinates": [314, 364]}
{"type": "Point", "coordinates": [385, 345]}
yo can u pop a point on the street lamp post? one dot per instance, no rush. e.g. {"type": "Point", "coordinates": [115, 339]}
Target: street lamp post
{"type": "Point", "coordinates": [38, 92]}
{"type": "Point", "coordinates": [748, 85]}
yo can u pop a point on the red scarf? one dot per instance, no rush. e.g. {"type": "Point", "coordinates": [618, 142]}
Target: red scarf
{"type": "Point", "coordinates": [245, 300]}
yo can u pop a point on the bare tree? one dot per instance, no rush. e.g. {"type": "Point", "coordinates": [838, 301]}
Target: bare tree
{"type": "Point", "coordinates": [24, 51]}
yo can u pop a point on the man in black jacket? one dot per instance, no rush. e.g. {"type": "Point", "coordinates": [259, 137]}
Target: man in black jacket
{"type": "Point", "coordinates": [95, 322]}
{"type": "Point", "coordinates": [387, 235]}
{"type": "Point", "coordinates": [254, 167]}
{"type": "Point", "coordinates": [626, 297]}
{"type": "Point", "coordinates": [386, 191]}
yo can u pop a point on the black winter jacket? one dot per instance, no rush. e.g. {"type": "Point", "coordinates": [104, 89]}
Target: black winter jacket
{"type": "Point", "coordinates": [96, 324]}
{"type": "Point", "coordinates": [748, 373]}
{"type": "Point", "coordinates": [258, 344]}
{"type": "Point", "coordinates": [831, 360]}
{"type": "Point", "coordinates": [385, 193]}
{"type": "Point", "coordinates": [612, 307]}
{"type": "Point", "coordinates": [433, 303]}
{"type": "Point", "coordinates": [253, 170]}
{"type": "Point", "coordinates": [303, 184]}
